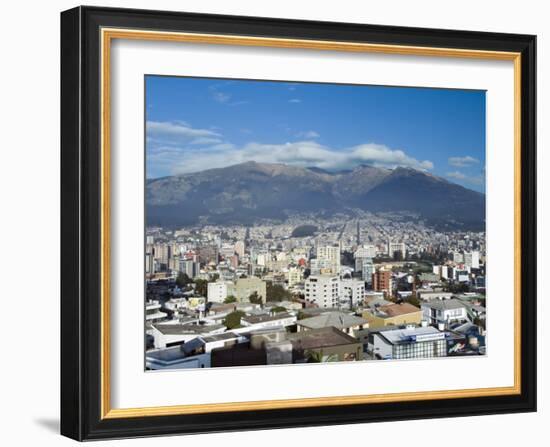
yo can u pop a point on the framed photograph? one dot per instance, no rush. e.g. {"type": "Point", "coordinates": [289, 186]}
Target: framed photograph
{"type": "Point", "coordinates": [277, 223]}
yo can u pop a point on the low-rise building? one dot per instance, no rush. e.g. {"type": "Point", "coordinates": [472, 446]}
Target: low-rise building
{"type": "Point", "coordinates": [153, 313]}
{"type": "Point", "coordinates": [317, 345]}
{"type": "Point", "coordinates": [340, 320]}
{"type": "Point", "coordinates": [407, 343]}
{"type": "Point", "coordinates": [175, 358]}
{"type": "Point", "coordinates": [393, 314]}
{"type": "Point", "coordinates": [217, 292]}
{"type": "Point", "coordinates": [444, 311]}
{"type": "Point", "coordinates": [166, 335]}
{"type": "Point", "coordinates": [266, 321]}
{"type": "Point", "coordinates": [244, 287]}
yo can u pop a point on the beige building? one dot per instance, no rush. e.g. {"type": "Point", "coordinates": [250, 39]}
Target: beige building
{"type": "Point", "coordinates": [393, 314]}
{"type": "Point", "coordinates": [244, 287]}
{"type": "Point", "coordinates": [294, 276]}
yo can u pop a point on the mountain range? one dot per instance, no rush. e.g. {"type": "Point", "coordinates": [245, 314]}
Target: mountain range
{"type": "Point", "coordinates": [248, 192]}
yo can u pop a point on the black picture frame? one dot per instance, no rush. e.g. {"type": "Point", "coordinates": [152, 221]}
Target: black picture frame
{"type": "Point", "coordinates": [81, 224]}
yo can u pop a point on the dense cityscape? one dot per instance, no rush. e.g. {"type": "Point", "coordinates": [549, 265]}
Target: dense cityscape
{"type": "Point", "coordinates": [309, 289]}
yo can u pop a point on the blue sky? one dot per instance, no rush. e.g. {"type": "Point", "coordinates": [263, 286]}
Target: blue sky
{"type": "Point", "coordinates": [194, 124]}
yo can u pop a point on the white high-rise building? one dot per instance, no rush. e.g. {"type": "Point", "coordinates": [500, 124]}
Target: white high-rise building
{"type": "Point", "coordinates": [458, 257]}
{"type": "Point", "coordinates": [295, 276]}
{"type": "Point", "coordinates": [227, 250]}
{"type": "Point", "coordinates": [323, 290]}
{"type": "Point", "coordinates": [396, 247]}
{"type": "Point", "coordinates": [353, 290]}
{"type": "Point", "coordinates": [239, 248]}
{"type": "Point", "coordinates": [472, 259]}
{"type": "Point", "coordinates": [217, 292]}
{"type": "Point", "coordinates": [262, 259]}
{"type": "Point", "coordinates": [367, 270]}
{"type": "Point", "coordinates": [365, 251]}
{"type": "Point", "coordinates": [330, 254]}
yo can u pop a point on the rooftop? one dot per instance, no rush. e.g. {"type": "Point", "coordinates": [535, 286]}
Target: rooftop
{"type": "Point", "coordinates": [320, 338]}
{"type": "Point", "coordinates": [338, 320]}
{"type": "Point", "coordinates": [253, 319]}
{"type": "Point", "coordinates": [412, 335]}
{"type": "Point", "coordinates": [394, 310]}
{"type": "Point", "coordinates": [444, 304]}
{"type": "Point", "coordinates": [180, 329]}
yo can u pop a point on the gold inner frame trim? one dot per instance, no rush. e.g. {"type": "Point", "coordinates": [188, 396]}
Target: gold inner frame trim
{"type": "Point", "coordinates": [107, 35]}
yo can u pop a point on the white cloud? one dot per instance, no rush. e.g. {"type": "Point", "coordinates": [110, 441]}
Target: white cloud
{"type": "Point", "coordinates": [206, 140]}
{"type": "Point", "coordinates": [178, 148]}
{"type": "Point", "coordinates": [176, 130]}
{"type": "Point", "coordinates": [467, 179]}
{"type": "Point", "coordinates": [221, 96]}
{"type": "Point", "coordinates": [461, 162]}
{"type": "Point", "coordinates": [457, 175]}
{"type": "Point", "coordinates": [300, 153]}
{"type": "Point", "coordinates": [308, 135]}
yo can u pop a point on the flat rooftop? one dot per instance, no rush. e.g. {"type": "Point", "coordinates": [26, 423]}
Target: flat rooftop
{"type": "Point", "coordinates": [338, 320]}
{"type": "Point", "coordinates": [412, 335]}
{"type": "Point", "coordinates": [320, 338]}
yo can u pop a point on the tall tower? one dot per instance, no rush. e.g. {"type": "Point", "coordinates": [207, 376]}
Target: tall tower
{"type": "Point", "coordinates": [358, 234]}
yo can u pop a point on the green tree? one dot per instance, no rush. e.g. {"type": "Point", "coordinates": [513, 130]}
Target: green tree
{"type": "Point", "coordinates": [278, 309]}
{"type": "Point", "coordinates": [230, 299]}
{"type": "Point", "coordinates": [254, 298]}
{"type": "Point", "coordinates": [201, 287]}
{"type": "Point", "coordinates": [277, 293]}
{"type": "Point", "coordinates": [318, 357]}
{"type": "Point", "coordinates": [233, 320]}
{"type": "Point", "coordinates": [414, 301]}
{"type": "Point", "coordinates": [183, 280]}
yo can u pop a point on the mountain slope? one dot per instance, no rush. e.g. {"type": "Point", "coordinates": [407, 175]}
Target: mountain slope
{"type": "Point", "coordinates": [244, 193]}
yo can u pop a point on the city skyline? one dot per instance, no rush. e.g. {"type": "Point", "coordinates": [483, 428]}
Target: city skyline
{"type": "Point", "coordinates": [193, 124]}
{"type": "Point", "coordinates": [312, 223]}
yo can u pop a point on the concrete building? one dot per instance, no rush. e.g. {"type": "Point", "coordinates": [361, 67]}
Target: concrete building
{"type": "Point", "coordinates": [428, 295]}
{"type": "Point", "coordinates": [323, 290]}
{"type": "Point", "coordinates": [458, 257]}
{"type": "Point", "coordinates": [244, 287]}
{"type": "Point", "coordinates": [330, 254]}
{"type": "Point", "coordinates": [191, 268]}
{"type": "Point", "coordinates": [393, 315]}
{"type": "Point", "coordinates": [471, 259]}
{"type": "Point", "coordinates": [261, 322]}
{"type": "Point", "coordinates": [407, 343]}
{"type": "Point", "coordinates": [444, 312]}
{"type": "Point", "coordinates": [347, 323]}
{"type": "Point", "coordinates": [352, 291]}
{"type": "Point", "coordinates": [166, 335]}
{"type": "Point", "coordinates": [397, 247]}
{"type": "Point", "coordinates": [217, 292]}
{"type": "Point", "coordinates": [239, 248]}
{"type": "Point", "coordinates": [153, 313]}
{"type": "Point", "coordinates": [382, 281]}
{"type": "Point", "coordinates": [294, 276]}
{"type": "Point", "coordinates": [367, 271]}
{"type": "Point", "coordinates": [175, 358]}
{"type": "Point", "coordinates": [365, 251]}
{"type": "Point", "coordinates": [326, 344]}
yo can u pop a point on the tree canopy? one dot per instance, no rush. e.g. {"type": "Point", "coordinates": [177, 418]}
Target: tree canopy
{"type": "Point", "coordinates": [230, 299]}
{"type": "Point", "coordinates": [276, 292]}
{"type": "Point", "coordinates": [278, 309]}
{"type": "Point", "coordinates": [183, 280]}
{"type": "Point", "coordinates": [233, 320]}
{"type": "Point", "coordinates": [255, 298]}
